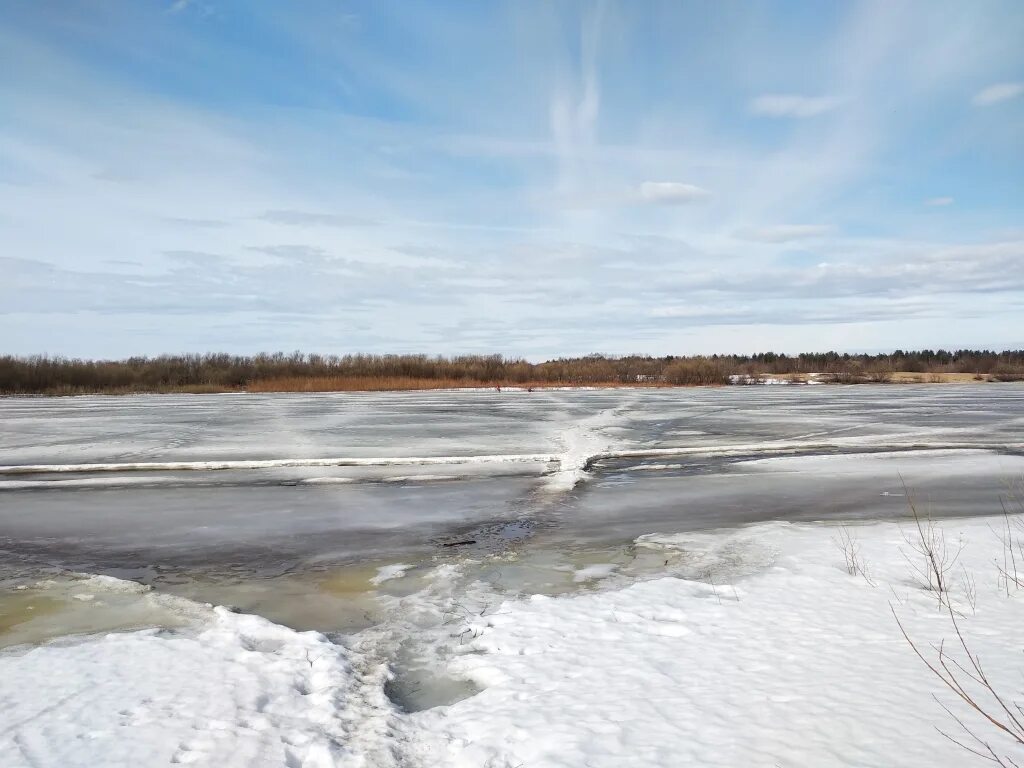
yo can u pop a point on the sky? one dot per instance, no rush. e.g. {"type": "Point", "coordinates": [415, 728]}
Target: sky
{"type": "Point", "coordinates": [530, 178]}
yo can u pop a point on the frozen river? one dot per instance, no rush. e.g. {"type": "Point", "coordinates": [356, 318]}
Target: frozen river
{"type": "Point", "coordinates": [424, 534]}
{"type": "Point", "coordinates": [272, 482]}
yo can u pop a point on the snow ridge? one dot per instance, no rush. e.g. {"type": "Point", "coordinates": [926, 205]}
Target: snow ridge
{"type": "Point", "coordinates": [237, 690]}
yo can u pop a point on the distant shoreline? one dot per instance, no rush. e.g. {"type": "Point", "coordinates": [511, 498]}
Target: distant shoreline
{"type": "Point", "coordinates": [356, 384]}
{"type": "Point", "coordinates": [302, 372]}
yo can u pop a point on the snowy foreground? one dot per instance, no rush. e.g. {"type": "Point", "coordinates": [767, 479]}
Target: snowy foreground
{"type": "Point", "coordinates": [767, 653]}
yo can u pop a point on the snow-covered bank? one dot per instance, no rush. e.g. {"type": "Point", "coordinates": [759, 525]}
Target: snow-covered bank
{"type": "Point", "coordinates": [239, 692]}
{"type": "Point", "coordinates": [776, 656]}
{"type": "Point", "coordinates": [757, 648]}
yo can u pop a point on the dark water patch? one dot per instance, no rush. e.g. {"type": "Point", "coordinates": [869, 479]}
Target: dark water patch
{"type": "Point", "coordinates": [490, 538]}
{"type": "Point", "coordinates": [415, 687]}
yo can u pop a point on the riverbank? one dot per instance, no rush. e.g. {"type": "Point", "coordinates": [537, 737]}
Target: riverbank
{"type": "Point", "coordinates": [299, 372]}
{"type": "Point", "coordinates": [409, 384]}
{"type": "Point", "coordinates": [825, 629]}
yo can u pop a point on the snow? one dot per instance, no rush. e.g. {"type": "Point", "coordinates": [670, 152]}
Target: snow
{"type": "Point", "coordinates": [593, 572]}
{"type": "Point", "coordinates": [389, 572]}
{"type": "Point", "coordinates": [740, 378]}
{"type": "Point", "coordinates": [776, 656]}
{"type": "Point", "coordinates": [582, 441]}
{"type": "Point", "coordinates": [652, 467]}
{"type": "Point", "coordinates": [757, 649]}
{"type": "Point", "coordinates": [117, 481]}
{"type": "Point", "coordinates": [424, 478]}
{"type": "Point", "coordinates": [773, 448]}
{"type": "Point", "coordinates": [207, 466]}
{"type": "Point", "coordinates": [239, 692]}
{"type": "Point", "coordinates": [945, 463]}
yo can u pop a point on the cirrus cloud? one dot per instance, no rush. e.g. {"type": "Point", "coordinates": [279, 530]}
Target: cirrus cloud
{"type": "Point", "coordinates": [996, 93]}
{"type": "Point", "coordinates": [792, 105]}
{"type": "Point", "coordinates": [672, 193]}
{"type": "Point", "coordinates": [784, 233]}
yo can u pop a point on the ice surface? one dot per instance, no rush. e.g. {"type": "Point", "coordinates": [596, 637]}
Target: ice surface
{"type": "Point", "coordinates": [197, 429]}
{"type": "Point", "coordinates": [36, 611]}
{"type": "Point", "coordinates": [419, 523]}
{"type": "Point", "coordinates": [127, 481]}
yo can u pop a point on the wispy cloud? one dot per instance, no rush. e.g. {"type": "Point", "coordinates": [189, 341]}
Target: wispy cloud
{"type": "Point", "coordinates": [575, 107]}
{"type": "Point", "coordinates": [784, 233]}
{"type": "Point", "coordinates": [793, 105]}
{"type": "Point", "coordinates": [939, 201]}
{"type": "Point", "coordinates": [671, 193]}
{"type": "Point", "coordinates": [313, 219]}
{"type": "Point", "coordinates": [998, 92]}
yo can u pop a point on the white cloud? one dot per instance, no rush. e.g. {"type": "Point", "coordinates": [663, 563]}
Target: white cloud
{"type": "Point", "coordinates": [315, 219]}
{"type": "Point", "coordinates": [998, 92]}
{"type": "Point", "coordinates": [784, 233]}
{"type": "Point", "coordinates": [701, 311]}
{"type": "Point", "coordinates": [939, 201]}
{"type": "Point", "coordinates": [672, 193]}
{"type": "Point", "coordinates": [792, 105]}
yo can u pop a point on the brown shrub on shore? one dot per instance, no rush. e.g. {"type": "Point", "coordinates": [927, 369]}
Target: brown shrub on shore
{"type": "Point", "coordinates": [696, 371]}
{"type": "Point", "coordinates": [299, 372]}
{"type": "Point", "coordinates": [358, 384]}
{"type": "Point", "coordinates": [401, 384]}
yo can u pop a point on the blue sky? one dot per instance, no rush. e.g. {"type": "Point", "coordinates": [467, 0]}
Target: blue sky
{"type": "Point", "coordinates": [530, 178]}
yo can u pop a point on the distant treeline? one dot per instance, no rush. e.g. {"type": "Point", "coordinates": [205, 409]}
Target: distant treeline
{"type": "Point", "coordinates": [298, 371]}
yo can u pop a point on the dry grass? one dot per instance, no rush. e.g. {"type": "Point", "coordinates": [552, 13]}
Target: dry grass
{"type": "Point", "coordinates": [357, 384]}
{"type": "Point", "coordinates": [163, 389]}
{"type": "Point", "coordinates": [909, 377]}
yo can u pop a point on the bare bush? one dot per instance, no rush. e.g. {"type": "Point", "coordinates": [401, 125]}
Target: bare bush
{"type": "Point", "coordinates": [967, 679]}
{"type": "Point", "coordinates": [933, 557]}
{"type": "Point", "coordinates": [854, 561]}
{"type": "Point", "coordinates": [697, 370]}
{"type": "Point", "coordinates": [878, 373]}
{"type": "Point", "coordinates": [991, 713]}
{"type": "Point", "coordinates": [1012, 537]}
{"type": "Point", "coordinates": [969, 588]}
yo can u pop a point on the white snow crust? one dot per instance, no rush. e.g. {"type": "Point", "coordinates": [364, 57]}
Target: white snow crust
{"type": "Point", "coordinates": [776, 657]}
{"type": "Point", "coordinates": [239, 692]}
{"type": "Point", "coordinates": [760, 650]}
{"type": "Point", "coordinates": [389, 572]}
